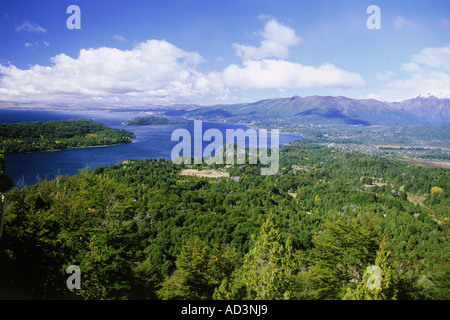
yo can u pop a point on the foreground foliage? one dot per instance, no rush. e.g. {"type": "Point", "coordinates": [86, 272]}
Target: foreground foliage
{"type": "Point", "coordinates": [139, 230]}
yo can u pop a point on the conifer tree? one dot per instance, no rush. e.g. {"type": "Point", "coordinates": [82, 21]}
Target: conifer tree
{"type": "Point", "coordinates": [266, 270]}
{"type": "Point", "coordinates": [190, 279]}
{"type": "Point", "coordinates": [378, 281]}
{"type": "Point", "coordinates": [341, 252]}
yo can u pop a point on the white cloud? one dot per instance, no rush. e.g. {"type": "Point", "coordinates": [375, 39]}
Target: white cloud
{"type": "Point", "coordinates": [265, 16]}
{"type": "Point", "coordinates": [120, 38]}
{"type": "Point", "coordinates": [383, 76]}
{"type": "Point", "coordinates": [428, 73]}
{"type": "Point", "coordinates": [277, 39]}
{"type": "Point", "coordinates": [265, 67]}
{"type": "Point", "coordinates": [410, 67]}
{"type": "Point", "coordinates": [153, 70]}
{"type": "Point", "coordinates": [400, 22]}
{"type": "Point", "coordinates": [35, 44]}
{"type": "Point", "coordinates": [436, 83]}
{"type": "Point", "coordinates": [30, 27]}
{"type": "Point", "coordinates": [158, 72]}
{"type": "Point", "coordinates": [434, 57]}
{"type": "Point", "coordinates": [275, 74]}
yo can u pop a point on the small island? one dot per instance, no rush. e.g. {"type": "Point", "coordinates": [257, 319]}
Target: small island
{"type": "Point", "coordinates": [153, 121]}
{"type": "Point", "coordinates": [58, 135]}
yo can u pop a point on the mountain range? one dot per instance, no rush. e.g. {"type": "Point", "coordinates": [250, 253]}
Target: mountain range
{"type": "Point", "coordinates": [325, 110]}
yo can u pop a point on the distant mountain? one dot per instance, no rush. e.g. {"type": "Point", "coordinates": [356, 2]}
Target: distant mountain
{"type": "Point", "coordinates": [430, 108]}
{"type": "Point", "coordinates": [330, 110]}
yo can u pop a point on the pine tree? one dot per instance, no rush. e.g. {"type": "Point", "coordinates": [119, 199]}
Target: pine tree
{"type": "Point", "coordinates": [378, 282]}
{"type": "Point", "coordinates": [266, 271]}
{"type": "Point", "coordinates": [190, 280]}
{"type": "Point", "coordinates": [340, 254]}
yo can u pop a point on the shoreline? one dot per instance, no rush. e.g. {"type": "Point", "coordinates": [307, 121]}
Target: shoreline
{"type": "Point", "coordinates": [250, 126]}
{"type": "Point", "coordinates": [71, 148]}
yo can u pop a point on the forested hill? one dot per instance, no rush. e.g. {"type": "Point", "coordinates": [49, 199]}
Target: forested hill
{"type": "Point", "coordinates": [56, 135]}
{"type": "Point", "coordinates": [143, 230]}
{"type": "Point", "coordinates": [153, 121]}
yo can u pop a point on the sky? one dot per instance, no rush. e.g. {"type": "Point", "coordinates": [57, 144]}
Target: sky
{"type": "Point", "coordinates": [163, 52]}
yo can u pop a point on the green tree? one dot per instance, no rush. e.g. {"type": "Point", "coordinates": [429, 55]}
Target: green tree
{"type": "Point", "coordinates": [5, 185]}
{"type": "Point", "coordinates": [378, 282]}
{"type": "Point", "coordinates": [266, 271]}
{"type": "Point", "coordinates": [5, 180]}
{"type": "Point", "coordinates": [342, 252]}
{"type": "Point", "coordinates": [190, 280]}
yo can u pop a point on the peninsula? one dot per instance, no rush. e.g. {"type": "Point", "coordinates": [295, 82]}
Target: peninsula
{"type": "Point", "coordinates": [153, 121]}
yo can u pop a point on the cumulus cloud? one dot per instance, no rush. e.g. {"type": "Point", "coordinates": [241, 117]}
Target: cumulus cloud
{"type": "Point", "coordinates": [428, 72]}
{"type": "Point", "coordinates": [436, 83]}
{"type": "Point", "coordinates": [277, 39]}
{"type": "Point", "coordinates": [274, 74]}
{"type": "Point", "coordinates": [434, 57]}
{"type": "Point", "coordinates": [155, 70]}
{"type": "Point", "coordinates": [30, 27]}
{"type": "Point", "coordinates": [265, 67]}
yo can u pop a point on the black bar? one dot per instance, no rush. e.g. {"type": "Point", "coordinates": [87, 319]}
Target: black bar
{"type": "Point", "coordinates": [168, 310]}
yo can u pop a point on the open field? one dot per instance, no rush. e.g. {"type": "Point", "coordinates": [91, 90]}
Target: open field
{"type": "Point", "coordinates": [429, 164]}
{"type": "Point", "coordinates": [204, 173]}
{"type": "Point", "coordinates": [410, 147]}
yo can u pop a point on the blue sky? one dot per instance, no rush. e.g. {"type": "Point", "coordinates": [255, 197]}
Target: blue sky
{"type": "Point", "coordinates": [213, 51]}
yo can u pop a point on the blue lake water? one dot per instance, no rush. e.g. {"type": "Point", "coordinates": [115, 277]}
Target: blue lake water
{"type": "Point", "coordinates": [150, 142]}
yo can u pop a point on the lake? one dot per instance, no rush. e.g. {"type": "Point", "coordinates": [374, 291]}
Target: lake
{"type": "Point", "coordinates": [150, 142]}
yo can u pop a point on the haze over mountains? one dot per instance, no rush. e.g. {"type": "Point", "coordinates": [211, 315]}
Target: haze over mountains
{"type": "Point", "coordinates": [299, 110]}
{"type": "Point", "coordinates": [327, 110]}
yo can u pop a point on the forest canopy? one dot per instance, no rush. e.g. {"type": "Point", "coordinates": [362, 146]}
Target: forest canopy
{"type": "Point", "coordinates": [315, 230]}
{"type": "Point", "coordinates": [57, 135]}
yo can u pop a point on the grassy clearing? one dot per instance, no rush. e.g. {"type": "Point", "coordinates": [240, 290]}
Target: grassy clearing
{"type": "Point", "coordinates": [204, 173]}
